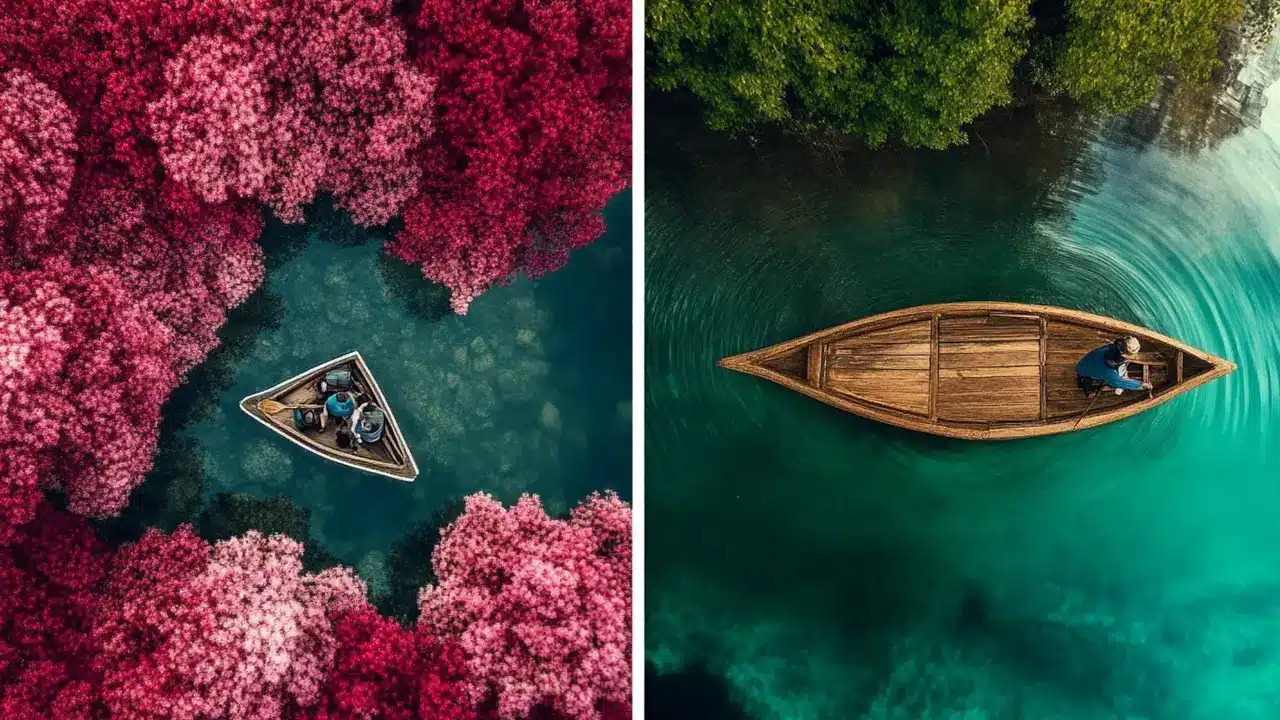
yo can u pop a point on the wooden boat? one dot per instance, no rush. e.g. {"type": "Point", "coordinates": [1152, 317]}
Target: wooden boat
{"type": "Point", "coordinates": [977, 370]}
{"type": "Point", "coordinates": [388, 456]}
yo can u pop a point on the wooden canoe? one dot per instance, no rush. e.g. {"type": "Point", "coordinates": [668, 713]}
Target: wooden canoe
{"type": "Point", "coordinates": [388, 456]}
{"type": "Point", "coordinates": [976, 370]}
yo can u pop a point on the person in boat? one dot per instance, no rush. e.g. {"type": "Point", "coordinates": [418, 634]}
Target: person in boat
{"type": "Point", "coordinates": [338, 406]}
{"type": "Point", "coordinates": [367, 423]}
{"type": "Point", "coordinates": [1107, 367]}
{"type": "Point", "coordinates": [306, 419]}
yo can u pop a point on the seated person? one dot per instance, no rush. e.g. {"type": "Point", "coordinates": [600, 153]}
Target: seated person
{"type": "Point", "coordinates": [1107, 367]}
{"type": "Point", "coordinates": [367, 423]}
{"type": "Point", "coordinates": [339, 406]}
{"type": "Point", "coordinates": [306, 419]}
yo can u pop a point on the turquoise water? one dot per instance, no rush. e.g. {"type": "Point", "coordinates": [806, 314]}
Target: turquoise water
{"type": "Point", "coordinates": [528, 392]}
{"type": "Point", "coordinates": [805, 563]}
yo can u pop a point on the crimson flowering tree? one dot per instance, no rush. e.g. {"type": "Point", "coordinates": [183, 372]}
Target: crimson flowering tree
{"type": "Point", "coordinates": [296, 98]}
{"type": "Point", "coordinates": [37, 160]}
{"type": "Point", "coordinates": [233, 631]}
{"type": "Point", "coordinates": [541, 607]}
{"type": "Point", "coordinates": [385, 671]}
{"type": "Point", "coordinates": [184, 260]}
{"type": "Point", "coordinates": [533, 105]}
{"type": "Point", "coordinates": [48, 598]}
{"type": "Point", "coordinates": [117, 278]}
{"type": "Point", "coordinates": [85, 371]}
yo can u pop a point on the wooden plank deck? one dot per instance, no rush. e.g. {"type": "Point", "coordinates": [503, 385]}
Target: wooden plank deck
{"type": "Point", "coordinates": [976, 370]}
{"type": "Point", "coordinates": [890, 367]}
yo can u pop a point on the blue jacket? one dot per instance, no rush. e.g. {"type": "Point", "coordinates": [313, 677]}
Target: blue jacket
{"type": "Point", "coordinates": [1094, 365]}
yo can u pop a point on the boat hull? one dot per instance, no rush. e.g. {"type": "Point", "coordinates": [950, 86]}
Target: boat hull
{"type": "Point", "coordinates": [389, 456]}
{"type": "Point", "coordinates": [977, 370]}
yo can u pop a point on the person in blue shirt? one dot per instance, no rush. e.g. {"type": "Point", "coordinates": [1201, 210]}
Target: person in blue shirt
{"type": "Point", "coordinates": [367, 423]}
{"type": "Point", "coordinates": [339, 406]}
{"type": "Point", "coordinates": [1107, 366]}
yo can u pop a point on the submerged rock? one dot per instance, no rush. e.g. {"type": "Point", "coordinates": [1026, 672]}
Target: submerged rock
{"type": "Point", "coordinates": [372, 568]}
{"type": "Point", "coordinates": [265, 462]}
{"type": "Point", "coordinates": [483, 363]}
{"type": "Point", "coordinates": [550, 417]}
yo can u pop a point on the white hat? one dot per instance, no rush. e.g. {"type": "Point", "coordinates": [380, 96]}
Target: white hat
{"type": "Point", "coordinates": [1131, 345]}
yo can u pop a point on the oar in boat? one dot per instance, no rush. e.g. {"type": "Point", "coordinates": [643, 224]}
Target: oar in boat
{"type": "Point", "coordinates": [271, 407]}
{"type": "Point", "coordinates": [1096, 394]}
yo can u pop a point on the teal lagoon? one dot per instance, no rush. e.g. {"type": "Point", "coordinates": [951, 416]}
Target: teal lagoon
{"type": "Point", "coordinates": [530, 392]}
{"type": "Point", "coordinates": [802, 562]}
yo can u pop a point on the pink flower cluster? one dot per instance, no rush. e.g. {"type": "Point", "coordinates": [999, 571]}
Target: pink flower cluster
{"type": "Point", "coordinates": [37, 158]}
{"type": "Point", "coordinates": [531, 616]}
{"type": "Point", "coordinates": [541, 607]}
{"type": "Point", "coordinates": [113, 281]}
{"type": "Point", "coordinates": [236, 631]}
{"type": "Point", "coordinates": [83, 373]}
{"type": "Point", "coordinates": [295, 98]}
{"type": "Point", "coordinates": [535, 136]}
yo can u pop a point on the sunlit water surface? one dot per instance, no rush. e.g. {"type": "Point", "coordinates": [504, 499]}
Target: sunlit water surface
{"type": "Point", "coordinates": [815, 564]}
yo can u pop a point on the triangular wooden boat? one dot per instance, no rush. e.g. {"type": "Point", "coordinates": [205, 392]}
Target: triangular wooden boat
{"type": "Point", "coordinates": [388, 456]}
{"type": "Point", "coordinates": [977, 370]}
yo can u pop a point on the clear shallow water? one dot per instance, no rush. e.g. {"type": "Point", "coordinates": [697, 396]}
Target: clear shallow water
{"type": "Point", "coordinates": [806, 563]}
{"type": "Point", "coordinates": [529, 392]}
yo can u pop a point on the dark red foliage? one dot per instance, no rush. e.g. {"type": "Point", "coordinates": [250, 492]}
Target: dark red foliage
{"type": "Point", "coordinates": [49, 580]}
{"type": "Point", "coordinates": [533, 113]}
{"type": "Point", "coordinates": [385, 671]}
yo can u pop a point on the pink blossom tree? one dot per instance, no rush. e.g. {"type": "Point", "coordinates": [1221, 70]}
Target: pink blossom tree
{"type": "Point", "coordinates": [187, 260]}
{"type": "Point", "coordinates": [541, 607]}
{"type": "Point", "coordinates": [37, 161]}
{"type": "Point", "coordinates": [85, 371]}
{"type": "Point", "coordinates": [319, 97]}
{"type": "Point", "coordinates": [233, 631]}
{"type": "Point", "coordinates": [49, 577]}
{"type": "Point", "coordinates": [212, 125]}
{"type": "Point", "coordinates": [533, 107]}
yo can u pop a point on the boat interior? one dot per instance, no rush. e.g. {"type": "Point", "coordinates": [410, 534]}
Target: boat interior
{"type": "Point", "coordinates": [386, 453]}
{"type": "Point", "coordinates": [989, 368]}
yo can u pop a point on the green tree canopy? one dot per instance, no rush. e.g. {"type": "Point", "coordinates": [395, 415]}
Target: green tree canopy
{"type": "Point", "coordinates": [913, 71]}
{"type": "Point", "coordinates": [916, 71]}
{"type": "Point", "coordinates": [1115, 52]}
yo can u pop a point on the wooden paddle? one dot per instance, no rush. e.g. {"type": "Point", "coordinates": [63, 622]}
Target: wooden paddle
{"type": "Point", "coordinates": [1079, 420]}
{"type": "Point", "coordinates": [271, 407]}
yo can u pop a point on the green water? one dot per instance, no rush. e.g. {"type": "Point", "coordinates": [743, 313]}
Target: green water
{"type": "Point", "coordinates": [802, 562]}
{"type": "Point", "coordinates": [529, 392]}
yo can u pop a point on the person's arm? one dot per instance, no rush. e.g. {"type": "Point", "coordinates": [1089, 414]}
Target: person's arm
{"type": "Point", "coordinates": [1116, 380]}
